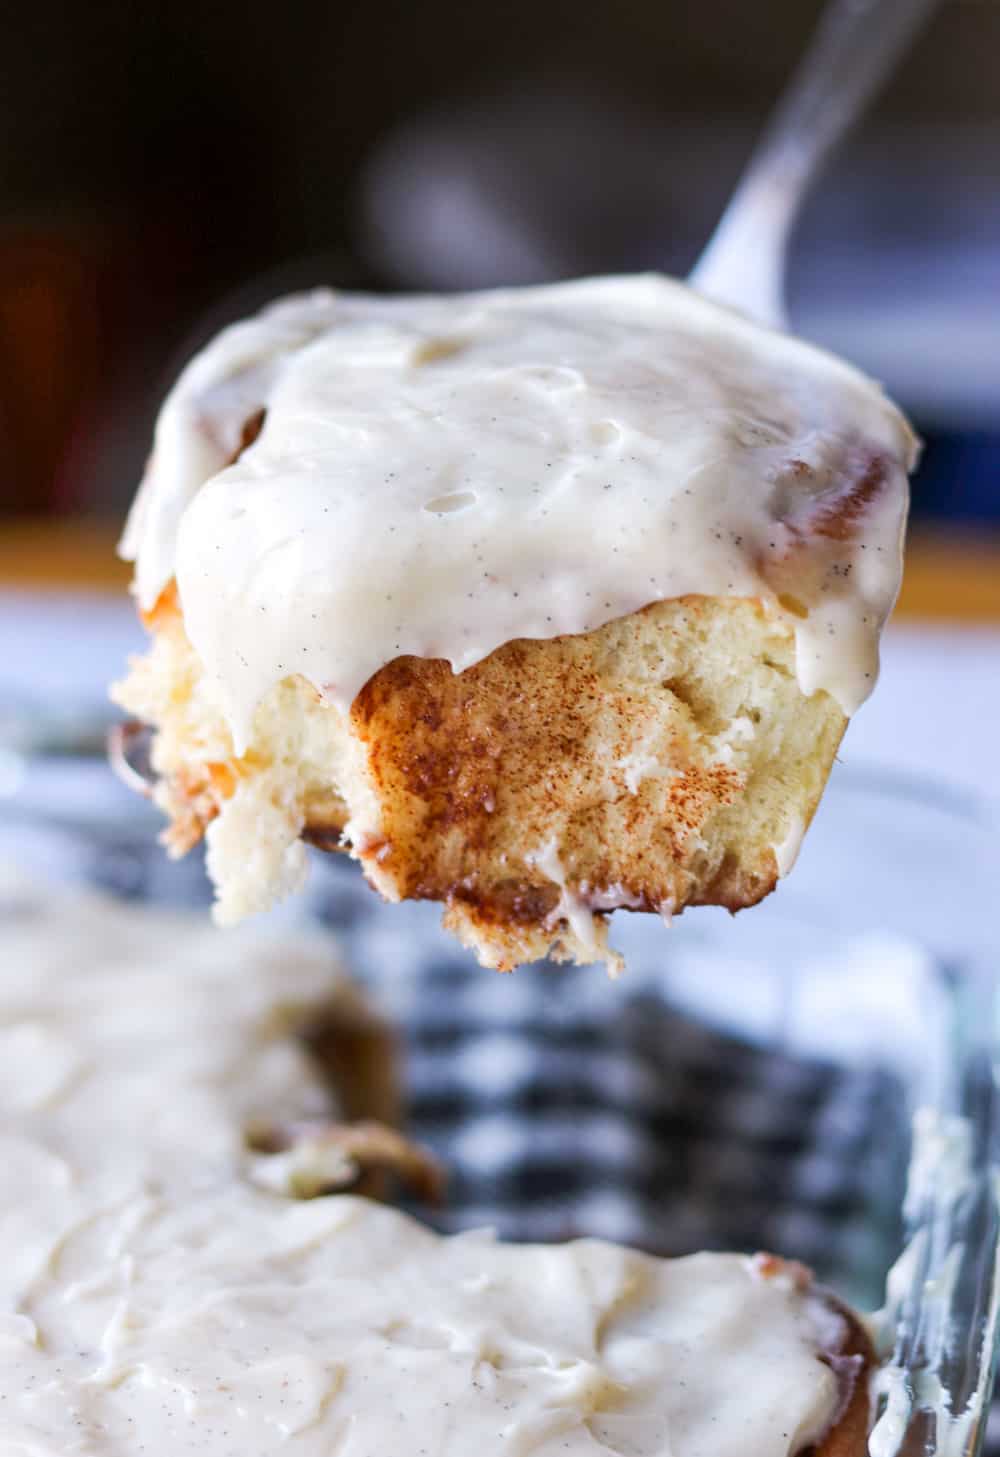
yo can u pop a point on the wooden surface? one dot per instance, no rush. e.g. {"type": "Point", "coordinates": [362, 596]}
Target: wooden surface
{"type": "Point", "coordinates": [948, 577]}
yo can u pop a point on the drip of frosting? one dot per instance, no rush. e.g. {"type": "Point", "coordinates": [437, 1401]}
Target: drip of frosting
{"type": "Point", "coordinates": [155, 1298]}
{"type": "Point", "coordinates": [438, 476]}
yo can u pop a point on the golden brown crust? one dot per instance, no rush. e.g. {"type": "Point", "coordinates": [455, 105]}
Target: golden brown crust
{"type": "Point", "coordinates": [853, 1364]}
{"type": "Point", "coordinates": [451, 748]}
{"type": "Point", "coordinates": [477, 772]}
{"type": "Point", "coordinates": [849, 1435]}
{"type": "Point", "coordinates": [375, 1160]}
{"type": "Point", "coordinates": [356, 1055]}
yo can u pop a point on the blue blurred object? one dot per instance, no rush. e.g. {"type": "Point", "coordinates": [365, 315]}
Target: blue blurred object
{"type": "Point", "coordinates": [959, 478]}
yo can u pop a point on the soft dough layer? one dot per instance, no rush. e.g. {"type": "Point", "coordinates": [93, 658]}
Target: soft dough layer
{"type": "Point", "coordinates": [663, 760]}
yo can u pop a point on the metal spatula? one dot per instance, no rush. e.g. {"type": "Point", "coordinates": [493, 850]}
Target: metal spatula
{"type": "Point", "coordinates": [852, 53]}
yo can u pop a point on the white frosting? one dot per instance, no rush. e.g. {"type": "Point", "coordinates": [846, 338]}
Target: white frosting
{"type": "Point", "coordinates": [155, 1300]}
{"type": "Point", "coordinates": [437, 476]}
{"type": "Point", "coordinates": [786, 851]}
{"type": "Point", "coordinates": [927, 1299]}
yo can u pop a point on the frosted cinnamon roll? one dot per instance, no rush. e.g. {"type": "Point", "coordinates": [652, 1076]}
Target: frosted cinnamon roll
{"type": "Point", "coordinates": [540, 603]}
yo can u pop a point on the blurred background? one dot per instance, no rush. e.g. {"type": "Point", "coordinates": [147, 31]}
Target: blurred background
{"type": "Point", "coordinates": [167, 167]}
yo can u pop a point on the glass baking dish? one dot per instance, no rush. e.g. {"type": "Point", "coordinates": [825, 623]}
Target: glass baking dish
{"type": "Point", "coordinates": [750, 1082]}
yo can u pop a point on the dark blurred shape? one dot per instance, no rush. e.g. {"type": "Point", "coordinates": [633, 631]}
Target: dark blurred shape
{"type": "Point", "coordinates": [167, 168]}
{"type": "Point", "coordinates": [49, 353]}
{"type": "Point", "coordinates": [544, 180]}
